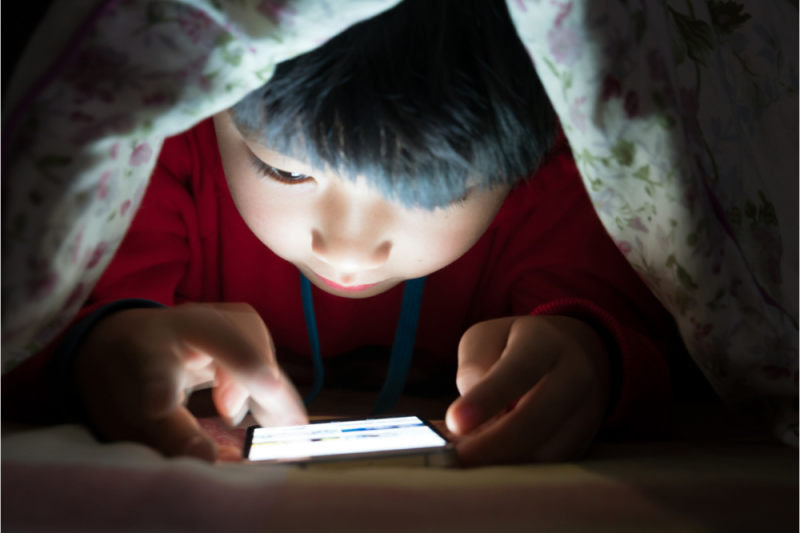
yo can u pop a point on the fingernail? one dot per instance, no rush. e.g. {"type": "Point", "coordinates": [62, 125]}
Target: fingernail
{"type": "Point", "coordinates": [200, 447]}
{"type": "Point", "coordinates": [467, 417]}
{"type": "Point", "coordinates": [237, 419]}
{"type": "Point", "coordinates": [235, 404]}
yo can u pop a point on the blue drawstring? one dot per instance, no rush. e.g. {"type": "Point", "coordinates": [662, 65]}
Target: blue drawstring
{"type": "Point", "coordinates": [402, 349]}
{"type": "Point", "coordinates": [313, 338]}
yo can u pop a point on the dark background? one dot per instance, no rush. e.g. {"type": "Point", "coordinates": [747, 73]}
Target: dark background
{"type": "Point", "coordinates": [19, 20]}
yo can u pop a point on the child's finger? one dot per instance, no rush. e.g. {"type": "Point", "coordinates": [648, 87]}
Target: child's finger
{"type": "Point", "coordinates": [521, 365]}
{"type": "Point", "coordinates": [479, 349]}
{"type": "Point", "coordinates": [516, 436]}
{"type": "Point", "coordinates": [277, 403]}
{"type": "Point", "coordinates": [179, 434]}
{"type": "Point", "coordinates": [140, 402]}
{"type": "Point", "coordinates": [229, 454]}
{"type": "Point", "coordinates": [230, 399]}
{"type": "Point", "coordinates": [146, 384]}
{"type": "Point", "coordinates": [236, 337]}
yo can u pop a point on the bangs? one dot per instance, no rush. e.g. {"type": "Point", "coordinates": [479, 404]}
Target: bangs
{"type": "Point", "coordinates": [424, 100]}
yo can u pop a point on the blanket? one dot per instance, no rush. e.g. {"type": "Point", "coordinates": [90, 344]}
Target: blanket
{"type": "Point", "coordinates": [681, 115]}
{"type": "Point", "coordinates": [62, 479]}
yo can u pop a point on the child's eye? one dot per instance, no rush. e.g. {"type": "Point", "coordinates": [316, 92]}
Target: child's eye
{"type": "Point", "coordinates": [268, 171]}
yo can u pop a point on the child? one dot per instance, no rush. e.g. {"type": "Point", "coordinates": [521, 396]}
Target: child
{"type": "Point", "coordinates": [385, 169]}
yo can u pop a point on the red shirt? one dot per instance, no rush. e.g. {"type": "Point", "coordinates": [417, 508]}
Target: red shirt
{"type": "Point", "coordinates": [545, 253]}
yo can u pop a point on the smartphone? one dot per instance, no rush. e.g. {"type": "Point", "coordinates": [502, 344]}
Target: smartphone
{"type": "Point", "coordinates": [378, 441]}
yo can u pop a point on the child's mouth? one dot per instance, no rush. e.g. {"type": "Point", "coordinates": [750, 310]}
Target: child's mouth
{"type": "Point", "coordinates": [346, 288]}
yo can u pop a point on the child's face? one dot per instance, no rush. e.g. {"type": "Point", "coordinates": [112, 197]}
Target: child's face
{"type": "Point", "coordinates": [343, 235]}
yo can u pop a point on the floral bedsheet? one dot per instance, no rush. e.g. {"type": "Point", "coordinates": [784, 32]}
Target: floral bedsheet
{"type": "Point", "coordinates": [682, 115]}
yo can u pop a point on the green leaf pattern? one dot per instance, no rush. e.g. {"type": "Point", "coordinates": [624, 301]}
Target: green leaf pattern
{"type": "Point", "coordinates": [691, 183]}
{"type": "Point", "coordinates": [82, 151]}
{"type": "Point", "coordinates": [674, 157]}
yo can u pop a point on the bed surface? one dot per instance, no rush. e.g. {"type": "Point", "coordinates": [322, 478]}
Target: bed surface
{"type": "Point", "coordinates": [718, 474]}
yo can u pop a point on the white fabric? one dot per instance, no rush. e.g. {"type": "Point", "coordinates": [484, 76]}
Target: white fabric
{"type": "Point", "coordinates": [682, 116]}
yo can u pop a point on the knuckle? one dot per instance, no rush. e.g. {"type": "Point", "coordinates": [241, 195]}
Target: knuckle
{"type": "Point", "coordinates": [527, 325]}
{"type": "Point", "coordinates": [243, 307]}
{"type": "Point", "coordinates": [469, 337]}
{"type": "Point", "coordinates": [479, 336]}
{"type": "Point", "coordinates": [233, 308]}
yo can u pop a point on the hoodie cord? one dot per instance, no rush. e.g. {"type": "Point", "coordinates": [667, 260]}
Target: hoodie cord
{"type": "Point", "coordinates": [313, 339]}
{"type": "Point", "coordinates": [402, 349]}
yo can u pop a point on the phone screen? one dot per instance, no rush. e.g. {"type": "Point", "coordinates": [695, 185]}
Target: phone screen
{"type": "Point", "coordinates": [342, 437]}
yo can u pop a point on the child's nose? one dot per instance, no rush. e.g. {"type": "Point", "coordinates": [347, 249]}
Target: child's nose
{"type": "Point", "coordinates": [350, 253]}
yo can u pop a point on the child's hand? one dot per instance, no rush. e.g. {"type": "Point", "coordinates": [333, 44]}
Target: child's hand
{"type": "Point", "coordinates": [557, 369]}
{"type": "Point", "coordinates": [133, 368]}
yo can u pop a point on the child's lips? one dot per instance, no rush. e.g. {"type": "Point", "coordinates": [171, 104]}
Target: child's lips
{"type": "Point", "coordinates": [346, 288]}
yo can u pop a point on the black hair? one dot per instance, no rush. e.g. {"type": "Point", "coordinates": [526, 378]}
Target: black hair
{"type": "Point", "coordinates": [418, 99]}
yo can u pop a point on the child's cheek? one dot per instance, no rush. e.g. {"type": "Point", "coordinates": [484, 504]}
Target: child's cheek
{"type": "Point", "coordinates": [437, 240]}
{"type": "Point", "coordinates": [281, 228]}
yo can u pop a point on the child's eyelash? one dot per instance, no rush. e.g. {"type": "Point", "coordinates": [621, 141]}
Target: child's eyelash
{"type": "Point", "coordinates": [282, 176]}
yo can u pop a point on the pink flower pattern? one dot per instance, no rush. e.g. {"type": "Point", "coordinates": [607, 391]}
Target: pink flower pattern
{"type": "Point", "coordinates": [611, 88]}
{"type": "Point", "coordinates": [75, 297]}
{"type": "Point", "coordinates": [76, 247]}
{"type": "Point", "coordinates": [636, 223]}
{"type": "Point", "coordinates": [140, 155]}
{"type": "Point", "coordinates": [631, 104]}
{"type": "Point", "coordinates": [576, 115]}
{"type": "Point", "coordinates": [197, 25]}
{"type": "Point", "coordinates": [278, 11]}
{"type": "Point", "coordinates": [97, 255]}
{"type": "Point", "coordinates": [97, 72]}
{"type": "Point", "coordinates": [95, 116]}
{"type": "Point", "coordinates": [565, 46]}
{"type": "Point", "coordinates": [102, 186]}
{"type": "Point", "coordinates": [586, 54]}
